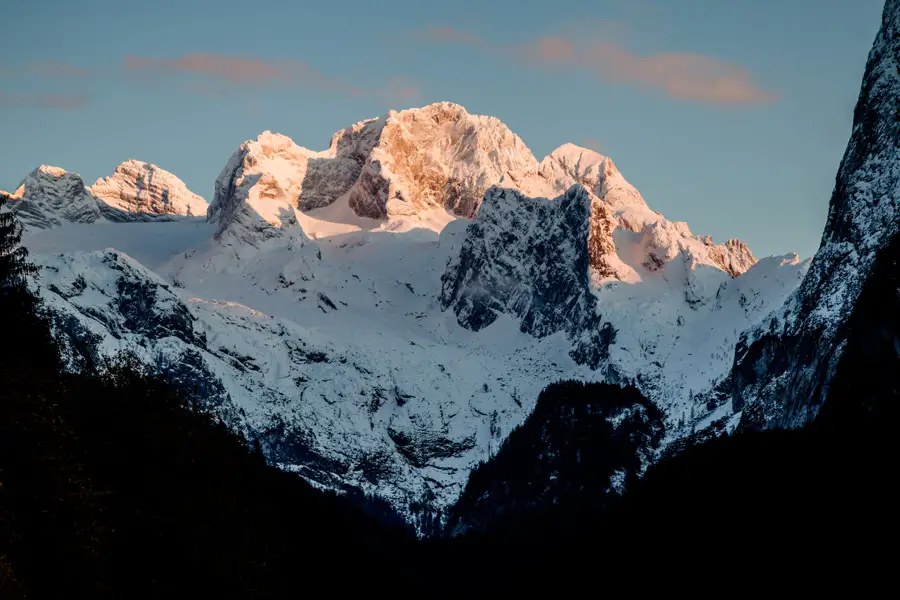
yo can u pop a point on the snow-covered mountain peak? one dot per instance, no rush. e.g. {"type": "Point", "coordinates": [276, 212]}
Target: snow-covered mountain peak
{"type": "Point", "coordinates": [406, 169]}
{"type": "Point", "coordinates": [139, 190]}
{"type": "Point", "coordinates": [393, 168]}
{"type": "Point", "coordinates": [436, 156]}
{"type": "Point", "coordinates": [45, 176]}
{"type": "Point", "coordinates": [570, 164]}
{"type": "Point", "coordinates": [257, 190]}
{"type": "Point", "coordinates": [269, 180]}
{"type": "Point", "coordinates": [628, 240]}
{"type": "Point", "coordinates": [51, 171]}
{"type": "Point", "coordinates": [593, 170]}
{"type": "Point", "coordinates": [51, 196]}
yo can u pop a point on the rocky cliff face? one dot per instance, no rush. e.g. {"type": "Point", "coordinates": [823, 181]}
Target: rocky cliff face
{"type": "Point", "coordinates": [783, 367]}
{"type": "Point", "coordinates": [616, 204]}
{"type": "Point", "coordinates": [141, 191]}
{"type": "Point", "coordinates": [256, 194]}
{"type": "Point", "coordinates": [528, 258]}
{"type": "Point", "coordinates": [670, 328]}
{"type": "Point", "coordinates": [400, 164]}
{"type": "Point", "coordinates": [50, 197]}
{"type": "Point", "coordinates": [331, 174]}
{"type": "Point", "coordinates": [438, 156]}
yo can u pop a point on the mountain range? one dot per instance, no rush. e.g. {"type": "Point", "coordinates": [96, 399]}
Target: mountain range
{"type": "Point", "coordinates": [381, 315]}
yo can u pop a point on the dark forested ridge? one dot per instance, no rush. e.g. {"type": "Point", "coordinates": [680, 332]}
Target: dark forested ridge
{"type": "Point", "coordinates": [113, 485]}
{"type": "Point", "coordinates": [581, 443]}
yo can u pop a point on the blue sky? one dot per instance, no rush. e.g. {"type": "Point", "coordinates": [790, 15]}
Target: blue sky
{"type": "Point", "coordinates": [732, 116]}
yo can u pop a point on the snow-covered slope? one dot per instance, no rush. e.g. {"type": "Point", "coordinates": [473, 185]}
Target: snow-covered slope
{"type": "Point", "coordinates": [373, 390]}
{"type": "Point", "coordinates": [356, 377]}
{"type": "Point", "coordinates": [141, 191]}
{"type": "Point", "coordinates": [392, 354]}
{"type": "Point", "coordinates": [783, 366]}
{"type": "Point", "coordinates": [50, 197]}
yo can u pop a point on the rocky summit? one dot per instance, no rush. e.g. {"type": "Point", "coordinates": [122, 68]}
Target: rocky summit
{"type": "Point", "coordinates": [138, 190]}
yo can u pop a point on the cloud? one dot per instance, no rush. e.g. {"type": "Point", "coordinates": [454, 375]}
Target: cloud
{"type": "Point", "coordinates": [547, 52]}
{"type": "Point", "coordinates": [445, 33]}
{"type": "Point", "coordinates": [400, 89]}
{"type": "Point", "coordinates": [205, 89]}
{"type": "Point", "coordinates": [682, 76]}
{"type": "Point", "coordinates": [55, 69]}
{"type": "Point", "coordinates": [49, 100]}
{"type": "Point", "coordinates": [216, 72]}
{"type": "Point", "coordinates": [233, 70]}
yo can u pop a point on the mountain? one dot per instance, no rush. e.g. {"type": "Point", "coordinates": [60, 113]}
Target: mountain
{"type": "Point", "coordinates": [258, 191]}
{"type": "Point", "coordinates": [338, 310]}
{"type": "Point", "coordinates": [137, 190]}
{"type": "Point", "coordinates": [518, 370]}
{"type": "Point", "coordinates": [438, 156]}
{"type": "Point", "coordinates": [49, 197]}
{"type": "Point", "coordinates": [400, 164]}
{"type": "Point", "coordinates": [640, 298]}
{"type": "Point", "coordinates": [617, 205]}
{"type": "Point", "coordinates": [783, 367]}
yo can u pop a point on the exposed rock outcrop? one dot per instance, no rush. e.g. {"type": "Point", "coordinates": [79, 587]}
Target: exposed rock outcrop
{"type": "Point", "coordinates": [141, 191]}
{"type": "Point", "coordinates": [50, 197]}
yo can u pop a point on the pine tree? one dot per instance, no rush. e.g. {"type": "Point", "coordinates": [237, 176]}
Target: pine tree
{"type": "Point", "coordinates": [14, 265]}
{"type": "Point", "coordinates": [25, 330]}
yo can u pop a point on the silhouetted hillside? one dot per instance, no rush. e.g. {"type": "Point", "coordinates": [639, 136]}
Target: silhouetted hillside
{"type": "Point", "coordinates": [581, 443]}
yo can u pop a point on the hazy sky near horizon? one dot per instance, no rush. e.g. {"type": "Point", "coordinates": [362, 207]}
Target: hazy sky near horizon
{"type": "Point", "coordinates": [732, 116]}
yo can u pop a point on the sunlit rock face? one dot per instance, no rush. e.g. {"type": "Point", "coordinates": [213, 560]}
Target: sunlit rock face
{"type": "Point", "coordinates": [141, 191]}
{"type": "Point", "coordinates": [439, 156]}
